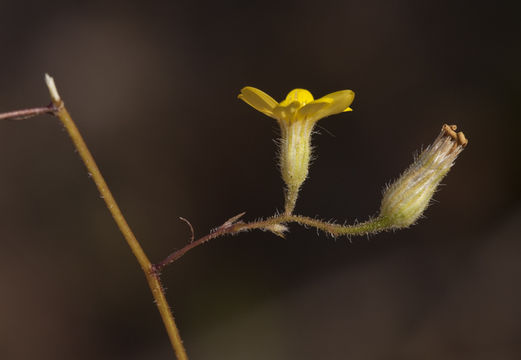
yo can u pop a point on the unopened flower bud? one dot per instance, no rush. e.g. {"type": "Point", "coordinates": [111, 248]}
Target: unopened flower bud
{"type": "Point", "coordinates": [407, 198]}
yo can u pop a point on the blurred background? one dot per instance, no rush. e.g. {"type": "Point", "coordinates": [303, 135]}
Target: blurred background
{"type": "Point", "coordinates": [153, 87]}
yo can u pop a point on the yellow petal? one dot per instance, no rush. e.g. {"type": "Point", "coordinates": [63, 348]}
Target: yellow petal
{"type": "Point", "coordinates": [310, 110]}
{"type": "Point", "coordinates": [330, 104]}
{"type": "Point", "coordinates": [301, 95]}
{"type": "Point", "coordinates": [286, 113]}
{"type": "Point", "coordinates": [258, 99]}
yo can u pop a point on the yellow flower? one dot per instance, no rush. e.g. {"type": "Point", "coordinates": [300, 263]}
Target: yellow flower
{"type": "Point", "coordinates": [296, 115]}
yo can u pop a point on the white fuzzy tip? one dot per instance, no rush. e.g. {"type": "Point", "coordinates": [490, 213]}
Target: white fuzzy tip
{"type": "Point", "coordinates": [52, 88]}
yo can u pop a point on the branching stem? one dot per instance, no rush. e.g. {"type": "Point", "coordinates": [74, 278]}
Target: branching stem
{"type": "Point", "coordinates": [275, 224]}
{"type": "Point", "coordinates": [57, 108]}
{"type": "Point", "coordinates": [371, 226]}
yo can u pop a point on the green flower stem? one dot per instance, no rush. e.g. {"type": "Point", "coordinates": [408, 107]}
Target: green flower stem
{"type": "Point", "coordinates": [371, 226]}
{"type": "Point", "coordinates": [291, 199]}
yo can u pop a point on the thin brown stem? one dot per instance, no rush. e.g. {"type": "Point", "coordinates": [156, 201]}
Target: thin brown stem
{"type": "Point", "coordinates": [27, 113]}
{"type": "Point", "coordinates": [227, 228]}
{"type": "Point", "coordinates": [371, 226]}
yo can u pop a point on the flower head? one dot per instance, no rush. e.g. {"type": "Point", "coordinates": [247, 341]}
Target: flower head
{"type": "Point", "coordinates": [297, 114]}
{"type": "Point", "coordinates": [406, 199]}
{"type": "Point", "coordinates": [299, 104]}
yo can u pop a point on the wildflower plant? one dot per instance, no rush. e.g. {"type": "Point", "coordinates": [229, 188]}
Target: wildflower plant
{"type": "Point", "coordinates": [403, 203]}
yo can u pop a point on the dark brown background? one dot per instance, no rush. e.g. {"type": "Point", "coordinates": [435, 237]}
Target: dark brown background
{"type": "Point", "coordinates": [153, 88]}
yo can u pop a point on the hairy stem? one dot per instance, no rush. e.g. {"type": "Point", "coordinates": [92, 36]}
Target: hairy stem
{"type": "Point", "coordinates": [151, 275]}
{"type": "Point", "coordinates": [291, 197]}
{"type": "Point", "coordinates": [371, 226]}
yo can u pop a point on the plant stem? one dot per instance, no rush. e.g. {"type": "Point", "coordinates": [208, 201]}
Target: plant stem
{"type": "Point", "coordinates": [230, 227]}
{"type": "Point", "coordinates": [151, 275]}
{"type": "Point", "coordinates": [27, 113]}
{"type": "Point", "coordinates": [290, 199]}
{"type": "Point", "coordinates": [371, 226]}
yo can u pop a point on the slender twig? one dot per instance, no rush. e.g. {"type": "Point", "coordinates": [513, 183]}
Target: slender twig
{"type": "Point", "coordinates": [27, 113]}
{"type": "Point", "coordinates": [152, 276]}
{"type": "Point", "coordinates": [371, 226]}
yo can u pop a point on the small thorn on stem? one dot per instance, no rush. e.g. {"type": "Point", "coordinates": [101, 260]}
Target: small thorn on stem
{"type": "Point", "coordinates": [191, 228]}
{"type": "Point", "coordinates": [232, 220]}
